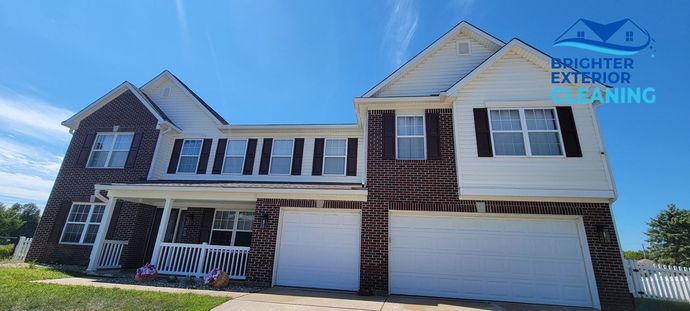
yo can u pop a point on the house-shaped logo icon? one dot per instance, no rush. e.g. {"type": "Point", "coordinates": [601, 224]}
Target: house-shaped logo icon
{"type": "Point", "coordinates": [623, 37]}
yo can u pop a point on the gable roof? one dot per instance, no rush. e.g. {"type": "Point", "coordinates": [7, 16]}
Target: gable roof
{"type": "Point", "coordinates": [414, 61]}
{"type": "Point", "coordinates": [73, 121]}
{"type": "Point", "coordinates": [215, 116]}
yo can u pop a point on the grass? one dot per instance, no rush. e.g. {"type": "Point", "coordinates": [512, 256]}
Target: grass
{"type": "Point", "coordinates": [644, 304]}
{"type": "Point", "coordinates": [18, 293]}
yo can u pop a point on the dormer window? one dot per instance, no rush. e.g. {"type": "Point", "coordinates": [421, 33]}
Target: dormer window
{"type": "Point", "coordinates": [189, 156]}
{"type": "Point", "coordinates": [580, 34]}
{"type": "Point", "coordinates": [628, 36]}
{"type": "Point", "coordinates": [110, 150]}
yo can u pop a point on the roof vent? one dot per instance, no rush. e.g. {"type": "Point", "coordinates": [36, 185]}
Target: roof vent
{"type": "Point", "coordinates": [463, 48]}
{"type": "Point", "coordinates": [166, 92]}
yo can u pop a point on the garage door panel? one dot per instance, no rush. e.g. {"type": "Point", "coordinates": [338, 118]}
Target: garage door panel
{"type": "Point", "coordinates": [496, 258]}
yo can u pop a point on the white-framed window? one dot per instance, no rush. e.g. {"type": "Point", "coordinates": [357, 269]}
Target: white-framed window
{"type": "Point", "coordinates": [410, 138]}
{"type": "Point", "coordinates": [232, 228]}
{"type": "Point", "coordinates": [525, 132]}
{"type": "Point", "coordinates": [281, 157]}
{"type": "Point", "coordinates": [335, 157]}
{"type": "Point", "coordinates": [189, 156]}
{"type": "Point", "coordinates": [234, 156]}
{"type": "Point", "coordinates": [110, 150]}
{"type": "Point", "coordinates": [82, 223]}
{"type": "Point", "coordinates": [628, 36]}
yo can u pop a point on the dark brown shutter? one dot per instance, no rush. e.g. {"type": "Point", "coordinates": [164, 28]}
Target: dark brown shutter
{"type": "Point", "coordinates": [133, 150]}
{"type": "Point", "coordinates": [433, 138]}
{"type": "Point", "coordinates": [351, 169]}
{"type": "Point", "coordinates": [265, 156]}
{"type": "Point", "coordinates": [220, 156]}
{"type": "Point", "coordinates": [482, 132]}
{"type": "Point", "coordinates": [297, 151]}
{"type": "Point", "coordinates": [388, 122]}
{"type": "Point", "coordinates": [60, 218]}
{"type": "Point", "coordinates": [317, 163]}
{"type": "Point", "coordinates": [175, 157]}
{"type": "Point", "coordinates": [571, 141]}
{"type": "Point", "coordinates": [206, 223]}
{"type": "Point", "coordinates": [203, 159]}
{"type": "Point", "coordinates": [249, 157]}
{"type": "Point", "coordinates": [85, 150]}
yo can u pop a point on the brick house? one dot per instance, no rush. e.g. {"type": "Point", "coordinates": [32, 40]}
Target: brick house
{"type": "Point", "coordinates": [460, 179]}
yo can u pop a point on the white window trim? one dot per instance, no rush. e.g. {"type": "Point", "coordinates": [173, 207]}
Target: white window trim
{"type": "Point", "coordinates": [198, 156]}
{"type": "Point", "coordinates": [323, 165]}
{"type": "Point", "coordinates": [110, 151]}
{"type": "Point", "coordinates": [86, 224]}
{"type": "Point", "coordinates": [234, 225]}
{"type": "Point", "coordinates": [397, 144]}
{"type": "Point", "coordinates": [292, 151]}
{"type": "Point", "coordinates": [225, 156]}
{"type": "Point", "coordinates": [525, 133]}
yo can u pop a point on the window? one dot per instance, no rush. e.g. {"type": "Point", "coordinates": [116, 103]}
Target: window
{"type": "Point", "coordinates": [522, 132]}
{"type": "Point", "coordinates": [281, 157]}
{"type": "Point", "coordinates": [628, 36]}
{"type": "Point", "coordinates": [234, 156]}
{"type": "Point", "coordinates": [82, 223]}
{"type": "Point", "coordinates": [335, 157]}
{"type": "Point", "coordinates": [189, 157]}
{"type": "Point", "coordinates": [580, 34]}
{"type": "Point", "coordinates": [232, 228]}
{"type": "Point", "coordinates": [110, 150]}
{"type": "Point", "coordinates": [410, 138]}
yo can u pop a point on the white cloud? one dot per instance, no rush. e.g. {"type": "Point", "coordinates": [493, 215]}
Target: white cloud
{"type": "Point", "coordinates": [400, 28]}
{"type": "Point", "coordinates": [27, 158]}
{"type": "Point", "coordinates": [25, 187]}
{"type": "Point", "coordinates": [33, 117]}
{"type": "Point", "coordinates": [182, 18]}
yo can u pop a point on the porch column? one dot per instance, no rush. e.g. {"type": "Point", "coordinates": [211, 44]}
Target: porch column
{"type": "Point", "coordinates": [100, 236]}
{"type": "Point", "coordinates": [165, 218]}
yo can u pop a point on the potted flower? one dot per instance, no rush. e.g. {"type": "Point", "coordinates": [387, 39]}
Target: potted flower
{"type": "Point", "coordinates": [217, 278]}
{"type": "Point", "coordinates": [146, 273]}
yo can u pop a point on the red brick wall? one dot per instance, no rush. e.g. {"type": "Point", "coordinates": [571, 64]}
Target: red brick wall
{"type": "Point", "coordinates": [431, 185]}
{"type": "Point", "coordinates": [75, 183]}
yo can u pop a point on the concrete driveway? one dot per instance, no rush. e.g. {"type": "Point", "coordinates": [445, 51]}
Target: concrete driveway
{"type": "Point", "coordinates": [288, 299]}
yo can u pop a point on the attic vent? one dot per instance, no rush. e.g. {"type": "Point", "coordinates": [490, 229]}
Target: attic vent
{"type": "Point", "coordinates": [463, 48]}
{"type": "Point", "coordinates": [166, 92]}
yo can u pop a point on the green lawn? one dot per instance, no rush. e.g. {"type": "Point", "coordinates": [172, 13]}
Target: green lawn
{"type": "Point", "coordinates": [642, 304]}
{"type": "Point", "coordinates": [18, 293]}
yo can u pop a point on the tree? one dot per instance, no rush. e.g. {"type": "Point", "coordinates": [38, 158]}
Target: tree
{"type": "Point", "coordinates": [30, 214]}
{"type": "Point", "coordinates": [669, 237]}
{"type": "Point", "coordinates": [634, 255]}
{"type": "Point", "coordinates": [10, 221]}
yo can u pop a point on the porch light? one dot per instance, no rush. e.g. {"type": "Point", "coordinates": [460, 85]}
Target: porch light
{"type": "Point", "coordinates": [605, 236]}
{"type": "Point", "coordinates": [264, 218]}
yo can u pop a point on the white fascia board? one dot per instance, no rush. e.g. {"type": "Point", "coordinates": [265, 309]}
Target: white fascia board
{"type": "Point", "coordinates": [428, 50]}
{"type": "Point", "coordinates": [552, 195]}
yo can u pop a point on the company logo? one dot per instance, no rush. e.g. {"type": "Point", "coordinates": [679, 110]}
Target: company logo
{"type": "Point", "coordinates": [623, 37]}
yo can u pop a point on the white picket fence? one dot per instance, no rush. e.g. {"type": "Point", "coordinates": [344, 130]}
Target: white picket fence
{"type": "Point", "coordinates": [21, 249]}
{"type": "Point", "coordinates": [658, 281]}
{"type": "Point", "coordinates": [198, 259]}
{"type": "Point", "coordinates": [111, 254]}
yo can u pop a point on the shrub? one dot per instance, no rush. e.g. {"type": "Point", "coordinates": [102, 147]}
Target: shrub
{"type": "Point", "coordinates": [6, 251]}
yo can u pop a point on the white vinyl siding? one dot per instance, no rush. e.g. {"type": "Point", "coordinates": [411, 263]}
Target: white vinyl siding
{"type": "Point", "coordinates": [189, 156]}
{"type": "Point", "coordinates": [110, 150]}
{"type": "Point", "coordinates": [410, 140]}
{"type": "Point", "coordinates": [82, 223]}
{"type": "Point", "coordinates": [525, 132]}
{"type": "Point", "coordinates": [281, 157]}
{"type": "Point", "coordinates": [335, 157]}
{"type": "Point", "coordinates": [234, 156]}
{"type": "Point", "coordinates": [232, 228]}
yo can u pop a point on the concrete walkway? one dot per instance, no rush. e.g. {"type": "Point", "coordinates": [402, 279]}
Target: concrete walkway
{"type": "Point", "coordinates": [289, 299]}
{"type": "Point", "coordinates": [105, 284]}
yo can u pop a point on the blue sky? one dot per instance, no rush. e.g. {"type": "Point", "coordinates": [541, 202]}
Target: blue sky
{"type": "Point", "coordinates": [304, 61]}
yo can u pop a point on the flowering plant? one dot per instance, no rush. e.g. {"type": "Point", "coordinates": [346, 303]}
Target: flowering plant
{"type": "Point", "coordinates": [212, 276]}
{"type": "Point", "coordinates": [147, 270]}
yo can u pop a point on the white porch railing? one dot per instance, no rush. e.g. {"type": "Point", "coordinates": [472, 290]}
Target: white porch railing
{"type": "Point", "coordinates": [21, 249]}
{"type": "Point", "coordinates": [659, 281]}
{"type": "Point", "coordinates": [111, 254]}
{"type": "Point", "coordinates": [198, 259]}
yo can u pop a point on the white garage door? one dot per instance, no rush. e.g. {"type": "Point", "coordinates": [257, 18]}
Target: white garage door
{"type": "Point", "coordinates": [489, 258]}
{"type": "Point", "coordinates": [319, 248]}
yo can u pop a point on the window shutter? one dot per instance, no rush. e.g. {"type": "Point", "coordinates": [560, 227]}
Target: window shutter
{"type": "Point", "coordinates": [60, 218]}
{"type": "Point", "coordinates": [571, 141]}
{"type": "Point", "coordinates": [85, 150]}
{"type": "Point", "coordinates": [388, 122]}
{"type": "Point", "coordinates": [265, 156]}
{"type": "Point", "coordinates": [317, 163]}
{"type": "Point", "coordinates": [203, 158]}
{"type": "Point", "coordinates": [249, 157]}
{"type": "Point", "coordinates": [206, 224]}
{"type": "Point", "coordinates": [133, 150]}
{"type": "Point", "coordinates": [351, 169]}
{"type": "Point", "coordinates": [297, 151]}
{"type": "Point", "coordinates": [220, 156]}
{"type": "Point", "coordinates": [433, 138]}
{"type": "Point", "coordinates": [175, 157]}
{"type": "Point", "coordinates": [482, 132]}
